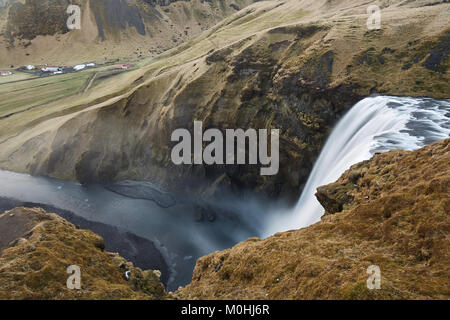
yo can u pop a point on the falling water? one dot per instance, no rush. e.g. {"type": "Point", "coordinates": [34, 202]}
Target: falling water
{"type": "Point", "coordinates": [373, 125]}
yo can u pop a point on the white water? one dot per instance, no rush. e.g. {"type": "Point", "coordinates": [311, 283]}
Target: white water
{"type": "Point", "coordinates": [373, 125]}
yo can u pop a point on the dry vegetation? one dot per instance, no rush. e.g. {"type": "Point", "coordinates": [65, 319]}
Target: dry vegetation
{"type": "Point", "coordinates": [395, 215]}
{"type": "Point", "coordinates": [294, 65]}
{"type": "Point", "coordinates": [37, 247]}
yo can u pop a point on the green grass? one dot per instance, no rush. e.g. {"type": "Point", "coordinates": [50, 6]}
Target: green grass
{"type": "Point", "coordinates": [16, 76]}
{"type": "Point", "coordinates": [23, 95]}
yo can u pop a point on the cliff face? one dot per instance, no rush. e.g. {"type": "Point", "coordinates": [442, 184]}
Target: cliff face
{"type": "Point", "coordinates": [37, 247]}
{"type": "Point", "coordinates": [141, 251]}
{"type": "Point", "coordinates": [30, 19]}
{"type": "Point", "coordinates": [391, 211]}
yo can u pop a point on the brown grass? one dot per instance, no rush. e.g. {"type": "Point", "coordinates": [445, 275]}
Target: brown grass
{"type": "Point", "coordinates": [403, 227]}
{"type": "Point", "coordinates": [33, 266]}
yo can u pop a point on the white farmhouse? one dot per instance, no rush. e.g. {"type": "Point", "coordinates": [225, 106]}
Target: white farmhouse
{"type": "Point", "coordinates": [51, 69]}
{"type": "Point", "coordinates": [79, 67]}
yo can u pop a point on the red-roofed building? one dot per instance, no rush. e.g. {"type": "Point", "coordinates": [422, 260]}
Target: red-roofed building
{"type": "Point", "coordinates": [123, 66]}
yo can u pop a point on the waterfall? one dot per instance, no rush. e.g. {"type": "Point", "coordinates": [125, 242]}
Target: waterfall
{"type": "Point", "coordinates": [375, 124]}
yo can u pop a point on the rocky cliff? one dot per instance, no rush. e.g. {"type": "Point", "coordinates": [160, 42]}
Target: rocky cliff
{"type": "Point", "coordinates": [36, 248]}
{"type": "Point", "coordinates": [391, 211]}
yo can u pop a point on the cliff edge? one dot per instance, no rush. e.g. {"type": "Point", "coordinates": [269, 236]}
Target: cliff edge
{"type": "Point", "coordinates": [36, 248]}
{"type": "Point", "coordinates": [391, 212]}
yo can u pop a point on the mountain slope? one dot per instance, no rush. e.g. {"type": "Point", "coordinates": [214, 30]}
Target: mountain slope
{"type": "Point", "coordinates": [35, 31]}
{"type": "Point", "coordinates": [395, 215]}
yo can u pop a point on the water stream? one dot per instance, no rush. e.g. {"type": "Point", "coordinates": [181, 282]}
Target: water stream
{"type": "Point", "coordinates": [376, 124]}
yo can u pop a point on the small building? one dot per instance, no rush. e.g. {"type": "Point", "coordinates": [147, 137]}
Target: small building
{"type": "Point", "coordinates": [51, 69]}
{"type": "Point", "coordinates": [5, 73]}
{"type": "Point", "coordinates": [123, 66]}
{"type": "Point", "coordinates": [79, 67]}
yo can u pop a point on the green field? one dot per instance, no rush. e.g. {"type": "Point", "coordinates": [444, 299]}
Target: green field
{"type": "Point", "coordinates": [17, 96]}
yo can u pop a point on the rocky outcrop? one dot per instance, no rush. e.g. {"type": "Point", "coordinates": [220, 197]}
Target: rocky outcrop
{"type": "Point", "coordinates": [30, 19]}
{"type": "Point", "coordinates": [36, 248]}
{"type": "Point", "coordinates": [142, 252]}
{"type": "Point", "coordinates": [391, 212]}
{"type": "Point", "coordinates": [334, 196]}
